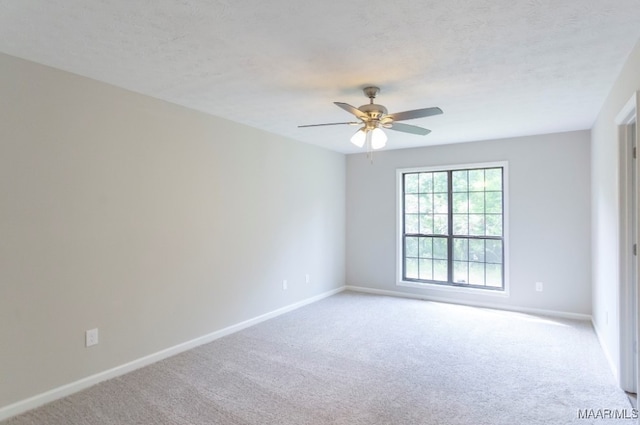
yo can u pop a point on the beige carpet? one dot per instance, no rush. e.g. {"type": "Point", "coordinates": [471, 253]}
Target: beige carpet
{"type": "Point", "coordinates": [364, 359]}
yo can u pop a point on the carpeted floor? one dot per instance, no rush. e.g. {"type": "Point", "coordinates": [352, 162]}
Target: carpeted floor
{"type": "Point", "coordinates": [364, 359]}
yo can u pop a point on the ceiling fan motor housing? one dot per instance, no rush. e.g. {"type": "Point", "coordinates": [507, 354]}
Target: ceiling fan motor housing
{"type": "Point", "coordinates": [373, 110]}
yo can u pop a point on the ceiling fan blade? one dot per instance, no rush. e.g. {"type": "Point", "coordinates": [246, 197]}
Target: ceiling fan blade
{"type": "Point", "coordinates": [416, 113]}
{"type": "Point", "coordinates": [406, 128]}
{"type": "Point", "coordinates": [352, 110]}
{"type": "Point", "coordinates": [330, 123]}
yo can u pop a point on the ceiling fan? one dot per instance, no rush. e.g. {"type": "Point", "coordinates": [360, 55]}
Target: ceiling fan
{"type": "Point", "coordinates": [372, 117]}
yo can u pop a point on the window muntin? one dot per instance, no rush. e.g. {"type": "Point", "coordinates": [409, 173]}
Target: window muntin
{"type": "Point", "coordinates": [453, 227]}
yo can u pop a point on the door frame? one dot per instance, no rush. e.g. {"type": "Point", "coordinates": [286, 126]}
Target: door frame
{"type": "Point", "coordinates": [629, 325]}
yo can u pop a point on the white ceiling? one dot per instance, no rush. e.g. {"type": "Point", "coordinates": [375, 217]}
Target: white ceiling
{"type": "Point", "coordinates": [498, 68]}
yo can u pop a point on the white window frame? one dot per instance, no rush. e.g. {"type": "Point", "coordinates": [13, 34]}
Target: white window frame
{"type": "Point", "coordinates": [505, 231]}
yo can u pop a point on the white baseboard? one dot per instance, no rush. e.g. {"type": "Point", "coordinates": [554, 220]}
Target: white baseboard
{"type": "Point", "coordinates": [607, 354]}
{"type": "Point", "coordinates": [73, 387]}
{"type": "Point", "coordinates": [552, 313]}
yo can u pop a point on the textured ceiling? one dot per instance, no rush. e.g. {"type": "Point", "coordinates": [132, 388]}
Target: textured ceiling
{"type": "Point", "coordinates": [498, 68]}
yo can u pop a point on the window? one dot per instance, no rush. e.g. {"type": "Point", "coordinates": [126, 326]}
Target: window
{"type": "Point", "coordinates": [451, 225]}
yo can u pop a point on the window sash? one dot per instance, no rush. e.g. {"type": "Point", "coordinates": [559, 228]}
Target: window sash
{"type": "Point", "coordinates": [422, 203]}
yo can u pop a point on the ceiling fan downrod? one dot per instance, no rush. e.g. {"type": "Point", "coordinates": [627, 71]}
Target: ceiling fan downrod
{"type": "Point", "coordinates": [371, 92]}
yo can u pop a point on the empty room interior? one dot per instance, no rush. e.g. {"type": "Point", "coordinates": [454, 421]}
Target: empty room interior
{"type": "Point", "coordinates": [357, 212]}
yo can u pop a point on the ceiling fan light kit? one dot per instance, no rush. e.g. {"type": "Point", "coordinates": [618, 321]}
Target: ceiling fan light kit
{"type": "Point", "coordinates": [374, 117]}
{"type": "Point", "coordinates": [359, 137]}
{"type": "Point", "coordinates": [378, 138]}
{"type": "Point", "coordinates": [375, 138]}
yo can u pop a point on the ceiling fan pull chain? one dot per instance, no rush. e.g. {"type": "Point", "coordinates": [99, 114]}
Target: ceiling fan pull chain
{"type": "Point", "coordinates": [369, 148]}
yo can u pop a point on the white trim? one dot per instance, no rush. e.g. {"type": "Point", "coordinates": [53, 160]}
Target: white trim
{"type": "Point", "coordinates": [516, 309]}
{"type": "Point", "coordinates": [627, 114]}
{"type": "Point", "coordinates": [627, 261]}
{"type": "Point", "coordinates": [73, 387]}
{"type": "Point", "coordinates": [603, 345]}
{"type": "Point", "coordinates": [505, 231]}
{"type": "Point", "coordinates": [454, 167]}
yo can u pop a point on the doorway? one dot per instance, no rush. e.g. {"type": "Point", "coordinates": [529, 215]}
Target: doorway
{"type": "Point", "coordinates": [629, 198]}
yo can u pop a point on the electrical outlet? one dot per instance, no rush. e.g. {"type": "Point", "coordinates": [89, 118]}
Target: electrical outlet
{"type": "Point", "coordinates": [539, 286]}
{"type": "Point", "coordinates": [91, 337]}
{"type": "Point", "coordinates": [307, 278]}
{"type": "Point", "coordinates": [284, 285]}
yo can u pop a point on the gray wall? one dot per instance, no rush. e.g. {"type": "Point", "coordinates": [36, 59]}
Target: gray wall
{"type": "Point", "coordinates": [549, 207]}
{"type": "Point", "coordinates": [155, 223]}
{"type": "Point", "coordinates": [606, 211]}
